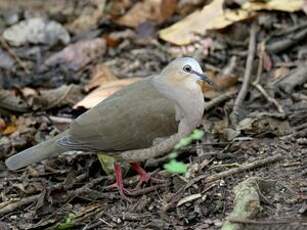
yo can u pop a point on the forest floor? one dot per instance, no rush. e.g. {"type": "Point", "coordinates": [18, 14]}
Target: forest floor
{"type": "Point", "coordinates": [254, 149]}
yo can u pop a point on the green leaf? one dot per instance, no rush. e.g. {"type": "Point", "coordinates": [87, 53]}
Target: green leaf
{"type": "Point", "coordinates": [68, 222]}
{"type": "Point", "coordinates": [173, 155]}
{"type": "Point", "coordinates": [107, 163]}
{"type": "Point", "coordinates": [197, 134]}
{"type": "Point", "coordinates": [183, 142]}
{"type": "Point", "coordinates": [176, 167]}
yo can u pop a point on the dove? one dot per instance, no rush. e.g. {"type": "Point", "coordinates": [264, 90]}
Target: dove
{"type": "Point", "coordinates": [141, 121]}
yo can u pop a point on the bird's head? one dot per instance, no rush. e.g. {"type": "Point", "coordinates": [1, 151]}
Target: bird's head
{"type": "Point", "coordinates": [186, 71]}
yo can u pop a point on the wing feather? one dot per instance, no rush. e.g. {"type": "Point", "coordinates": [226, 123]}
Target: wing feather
{"type": "Point", "coordinates": [130, 119]}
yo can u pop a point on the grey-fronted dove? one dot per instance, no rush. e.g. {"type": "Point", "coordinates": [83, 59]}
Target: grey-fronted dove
{"type": "Point", "coordinates": [141, 121]}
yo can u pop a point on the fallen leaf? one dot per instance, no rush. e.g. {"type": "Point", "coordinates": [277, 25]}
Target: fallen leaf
{"type": "Point", "coordinates": [28, 92]}
{"type": "Point", "coordinates": [281, 5]}
{"type": "Point", "coordinates": [77, 55]}
{"type": "Point", "coordinates": [212, 16]}
{"type": "Point", "coordinates": [267, 61]}
{"type": "Point", "coordinates": [50, 98]}
{"type": "Point", "coordinates": [2, 124]}
{"type": "Point", "coordinates": [64, 95]}
{"type": "Point", "coordinates": [6, 61]}
{"type": "Point", "coordinates": [148, 10]}
{"type": "Point", "coordinates": [11, 127]}
{"type": "Point", "coordinates": [264, 125]}
{"type": "Point", "coordinates": [103, 92]}
{"type": "Point", "coordinates": [175, 166]}
{"type": "Point", "coordinates": [99, 76]}
{"type": "Point", "coordinates": [118, 7]}
{"type": "Point", "coordinates": [9, 101]}
{"type": "Point", "coordinates": [215, 16]}
{"type": "Point", "coordinates": [280, 72]}
{"type": "Point", "coordinates": [36, 31]}
{"type": "Point", "coordinates": [88, 19]}
{"type": "Point", "coordinates": [222, 82]}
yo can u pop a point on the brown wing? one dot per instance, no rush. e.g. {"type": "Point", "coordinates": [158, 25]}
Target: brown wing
{"type": "Point", "coordinates": [130, 119]}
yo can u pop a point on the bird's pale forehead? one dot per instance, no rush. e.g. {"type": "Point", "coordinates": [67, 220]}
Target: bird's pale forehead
{"type": "Point", "coordinates": [188, 61]}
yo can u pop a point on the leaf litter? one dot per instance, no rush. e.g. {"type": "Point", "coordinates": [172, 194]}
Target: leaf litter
{"type": "Point", "coordinates": [265, 149]}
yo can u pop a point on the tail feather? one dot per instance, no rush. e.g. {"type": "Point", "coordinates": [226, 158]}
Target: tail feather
{"type": "Point", "coordinates": [36, 153]}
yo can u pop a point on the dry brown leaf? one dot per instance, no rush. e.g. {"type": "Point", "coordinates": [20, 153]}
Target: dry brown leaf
{"type": "Point", "coordinates": [28, 92]}
{"type": "Point", "coordinates": [267, 62]}
{"type": "Point", "coordinates": [282, 5]}
{"type": "Point", "coordinates": [77, 55]}
{"type": "Point", "coordinates": [223, 82]}
{"type": "Point", "coordinates": [9, 129]}
{"type": "Point", "coordinates": [215, 16]}
{"type": "Point", "coordinates": [100, 75]}
{"type": "Point", "coordinates": [103, 92]}
{"type": "Point", "coordinates": [153, 10]}
{"type": "Point", "coordinates": [64, 95]}
{"type": "Point", "coordinates": [280, 72]}
{"type": "Point", "coordinates": [118, 7]}
{"type": "Point", "coordinates": [2, 124]}
{"type": "Point", "coordinates": [88, 19]}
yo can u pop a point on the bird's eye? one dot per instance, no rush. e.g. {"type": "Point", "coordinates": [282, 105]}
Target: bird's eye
{"type": "Point", "coordinates": [187, 68]}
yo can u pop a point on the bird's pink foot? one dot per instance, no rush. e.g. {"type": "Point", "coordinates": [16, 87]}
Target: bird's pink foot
{"type": "Point", "coordinates": [119, 184]}
{"type": "Point", "coordinates": [144, 176]}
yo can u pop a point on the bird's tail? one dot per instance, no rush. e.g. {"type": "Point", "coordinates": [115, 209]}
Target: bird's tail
{"type": "Point", "coordinates": [36, 153]}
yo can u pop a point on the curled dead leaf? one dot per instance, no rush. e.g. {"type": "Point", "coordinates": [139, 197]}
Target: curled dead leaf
{"type": "Point", "coordinates": [222, 82]}
{"type": "Point", "coordinates": [77, 55]}
{"type": "Point", "coordinates": [148, 10]}
{"type": "Point", "coordinates": [215, 16]}
{"type": "Point", "coordinates": [103, 92]}
{"type": "Point", "coordinates": [99, 76]}
{"type": "Point", "coordinates": [50, 98]}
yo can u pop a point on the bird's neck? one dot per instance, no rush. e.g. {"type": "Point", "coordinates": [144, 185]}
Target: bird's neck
{"type": "Point", "coordinates": [188, 98]}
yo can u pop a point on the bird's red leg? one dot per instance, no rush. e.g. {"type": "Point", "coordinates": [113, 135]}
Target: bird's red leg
{"type": "Point", "coordinates": [119, 180]}
{"type": "Point", "coordinates": [144, 176]}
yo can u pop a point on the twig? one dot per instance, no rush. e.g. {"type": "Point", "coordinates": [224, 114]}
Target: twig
{"type": "Point", "coordinates": [295, 78]}
{"type": "Point", "coordinates": [17, 204]}
{"type": "Point", "coordinates": [13, 55]}
{"type": "Point", "coordinates": [218, 100]}
{"type": "Point", "coordinates": [260, 65]}
{"type": "Point", "coordinates": [247, 76]}
{"type": "Point", "coordinates": [243, 168]}
{"type": "Point", "coordinates": [269, 98]}
{"type": "Point", "coordinates": [266, 222]}
{"type": "Point", "coordinates": [259, 87]}
{"type": "Point", "coordinates": [287, 42]}
{"type": "Point", "coordinates": [87, 186]}
{"type": "Point", "coordinates": [147, 190]}
{"type": "Point", "coordinates": [61, 120]}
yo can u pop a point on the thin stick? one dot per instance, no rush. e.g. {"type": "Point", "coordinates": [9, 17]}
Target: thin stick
{"type": "Point", "coordinates": [267, 222]}
{"type": "Point", "coordinates": [13, 206]}
{"type": "Point", "coordinates": [13, 55]}
{"type": "Point", "coordinates": [218, 100]}
{"type": "Point", "coordinates": [269, 98]}
{"type": "Point", "coordinates": [247, 75]}
{"type": "Point", "coordinates": [243, 168]}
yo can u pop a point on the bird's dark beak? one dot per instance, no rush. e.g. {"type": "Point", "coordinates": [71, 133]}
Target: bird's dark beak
{"type": "Point", "coordinates": [205, 78]}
